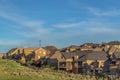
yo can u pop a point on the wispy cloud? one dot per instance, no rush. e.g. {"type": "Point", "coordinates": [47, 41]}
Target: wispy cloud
{"type": "Point", "coordinates": [90, 26]}
{"type": "Point", "coordinates": [104, 30]}
{"type": "Point", "coordinates": [11, 42]}
{"type": "Point", "coordinates": [88, 31]}
{"type": "Point", "coordinates": [20, 20]}
{"type": "Point", "coordinates": [67, 25]}
{"type": "Point", "coordinates": [81, 24]}
{"type": "Point", "coordinates": [99, 12]}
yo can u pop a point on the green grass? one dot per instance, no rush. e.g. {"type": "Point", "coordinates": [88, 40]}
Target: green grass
{"type": "Point", "coordinates": [10, 70]}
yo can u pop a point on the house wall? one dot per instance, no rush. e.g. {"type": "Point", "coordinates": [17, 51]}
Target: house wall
{"type": "Point", "coordinates": [107, 46]}
{"type": "Point", "coordinates": [39, 54]}
{"type": "Point", "coordinates": [84, 49]}
{"type": "Point", "coordinates": [1, 56]}
{"type": "Point", "coordinates": [20, 51]}
{"type": "Point", "coordinates": [89, 61]}
{"type": "Point", "coordinates": [118, 62]}
{"type": "Point", "coordinates": [113, 69]}
{"type": "Point", "coordinates": [23, 60]}
{"type": "Point", "coordinates": [27, 52]}
{"type": "Point", "coordinates": [54, 63]}
{"type": "Point", "coordinates": [117, 46]}
{"type": "Point", "coordinates": [110, 53]}
{"type": "Point", "coordinates": [69, 60]}
{"type": "Point", "coordinates": [101, 62]}
{"type": "Point", "coordinates": [72, 49]}
{"type": "Point", "coordinates": [68, 65]}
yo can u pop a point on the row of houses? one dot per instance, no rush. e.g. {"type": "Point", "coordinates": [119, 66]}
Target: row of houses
{"type": "Point", "coordinates": [85, 62]}
{"type": "Point", "coordinates": [81, 61]}
{"type": "Point", "coordinates": [111, 47]}
{"type": "Point", "coordinates": [87, 58]}
{"type": "Point", "coordinates": [30, 54]}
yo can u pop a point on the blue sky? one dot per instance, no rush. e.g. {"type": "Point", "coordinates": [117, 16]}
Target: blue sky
{"type": "Point", "coordinates": [57, 22]}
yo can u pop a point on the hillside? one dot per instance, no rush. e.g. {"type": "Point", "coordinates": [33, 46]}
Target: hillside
{"type": "Point", "coordinates": [10, 70]}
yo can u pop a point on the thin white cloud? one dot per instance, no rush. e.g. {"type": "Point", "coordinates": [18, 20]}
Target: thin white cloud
{"type": "Point", "coordinates": [81, 24]}
{"type": "Point", "coordinates": [68, 25]}
{"type": "Point", "coordinates": [11, 42]}
{"type": "Point", "coordinates": [99, 12]}
{"type": "Point", "coordinates": [20, 20]}
{"type": "Point", "coordinates": [104, 30]}
{"type": "Point", "coordinates": [93, 27]}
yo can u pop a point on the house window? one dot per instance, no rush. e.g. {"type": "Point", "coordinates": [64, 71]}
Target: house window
{"type": "Point", "coordinates": [62, 64]}
{"type": "Point", "coordinates": [113, 62]}
{"type": "Point", "coordinates": [44, 53]}
{"type": "Point", "coordinates": [80, 63]}
{"type": "Point", "coordinates": [38, 57]}
{"type": "Point", "coordinates": [95, 64]}
{"type": "Point", "coordinates": [91, 70]}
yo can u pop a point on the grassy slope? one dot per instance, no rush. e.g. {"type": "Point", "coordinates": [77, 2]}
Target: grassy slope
{"type": "Point", "coordinates": [10, 70]}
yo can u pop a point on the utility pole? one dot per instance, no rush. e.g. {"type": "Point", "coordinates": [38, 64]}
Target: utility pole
{"type": "Point", "coordinates": [39, 43]}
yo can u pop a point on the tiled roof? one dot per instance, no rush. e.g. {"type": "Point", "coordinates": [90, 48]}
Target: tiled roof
{"type": "Point", "coordinates": [112, 49]}
{"type": "Point", "coordinates": [114, 43]}
{"type": "Point", "coordinates": [72, 54]}
{"type": "Point", "coordinates": [97, 55]}
{"type": "Point", "coordinates": [94, 55]}
{"type": "Point", "coordinates": [12, 50]}
{"type": "Point", "coordinates": [117, 54]}
{"type": "Point", "coordinates": [74, 46]}
{"type": "Point", "coordinates": [86, 47]}
{"type": "Point", "coordinates": [68, 55]}
{"type": "Point", "coordinates": [86, 55]}
{"type": "Point", "coordinates": [118, 50]}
